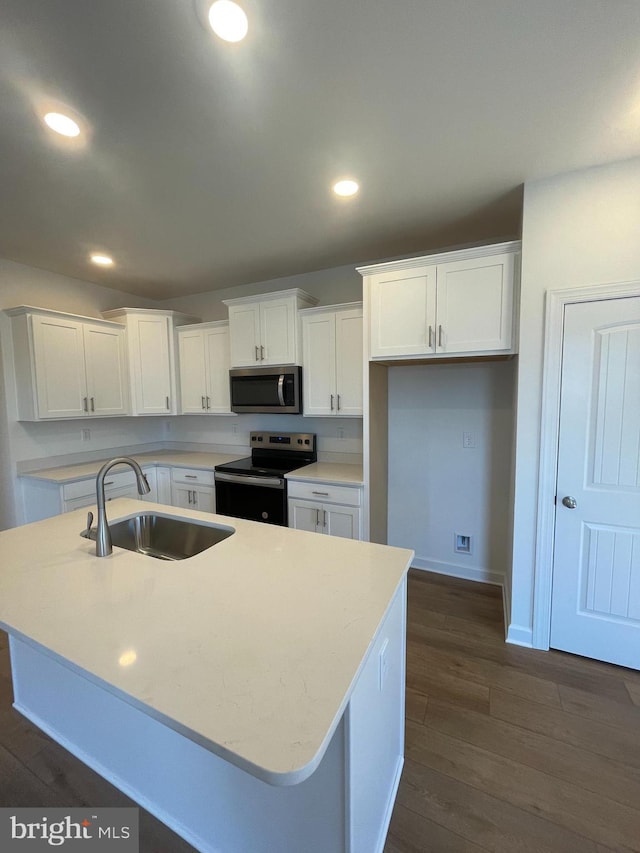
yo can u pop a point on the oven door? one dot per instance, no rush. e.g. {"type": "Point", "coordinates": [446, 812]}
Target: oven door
{"type": "Point", "coordinates": [254, 498]}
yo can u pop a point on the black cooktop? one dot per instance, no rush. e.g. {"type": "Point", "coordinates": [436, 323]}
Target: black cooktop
{"type": "Point", "coordinates": [262, 467]}
{"type": "Point", "coordinates": [274, 454]}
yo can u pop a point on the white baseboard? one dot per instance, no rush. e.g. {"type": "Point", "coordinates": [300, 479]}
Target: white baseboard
{"type": "Point", "coordinates": [518, 635]}
{"type": "Point", "coordinates": [456, 570]}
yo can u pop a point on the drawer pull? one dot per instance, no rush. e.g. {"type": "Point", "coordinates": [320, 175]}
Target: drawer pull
{"type": "Point", "coordinates": [109, 483]}
{"type": "Point", "coordinates": [191, 476]}
{"type": "Point", "coordinates": [324, 494]}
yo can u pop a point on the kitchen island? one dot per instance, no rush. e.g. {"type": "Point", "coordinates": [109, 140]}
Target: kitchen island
{"type": "Point", "coordinates": [251, 696]}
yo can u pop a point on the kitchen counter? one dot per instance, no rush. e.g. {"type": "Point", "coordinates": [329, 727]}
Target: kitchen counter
{"type": "Point", "coordinates": [329, 472]}
{"type": "Point", "coordinates": [171, 458]}
{"type": "Point", "coordinates": [276, 656]}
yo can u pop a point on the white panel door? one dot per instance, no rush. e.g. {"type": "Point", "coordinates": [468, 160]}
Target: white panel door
{"type": "Point", "coordinates": [349, 359]}
{"type": "Point", "coordinates": [59, 365]}
{"type": "Point", "coordinates": [475, 305]}
{"type": "Point", "coordinates": [596, 574]}
{"type": "Point", "coordinates": [193, 383]}
{"type": "Point", "coordinates": [105, 360]}
{"type": "Point", "coordinates": [403, 312]}
{"type": "Point", "coordinates": [319, 364]}
{"type": "Point", "coordinates": [341, 521]}
{"type": "Point", "coordinates": [149, 340]}
{"type": "Point", "coordinates": [278, 318]}
{"type": "Point", "coordinates": [304, 515]}
{"type": "Point", "coordinates": [216, 353]}
{"type": "Point", "coordinates": [244, 326]}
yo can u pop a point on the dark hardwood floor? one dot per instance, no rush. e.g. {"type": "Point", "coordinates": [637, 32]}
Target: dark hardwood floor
{"type": "Point", "coordinates": [507, 749]}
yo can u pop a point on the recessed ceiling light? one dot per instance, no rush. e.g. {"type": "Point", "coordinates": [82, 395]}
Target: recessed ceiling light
{"type": "Point", "coordinates": [346, 188]}
{"type": "Point", "coordinates": [228, 20]}
{"type": "Point", "coordinates": [102, 260]}
{"type": "Point", "coordinates": [62, 124]}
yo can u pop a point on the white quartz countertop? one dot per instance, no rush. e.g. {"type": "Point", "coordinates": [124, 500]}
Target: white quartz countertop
{"type": "Point", "coordinates": [329, 472]}
{"type": "Point", "coordinates": [251, 648]}
{"type": "Point", "coordinates": [174, 458]}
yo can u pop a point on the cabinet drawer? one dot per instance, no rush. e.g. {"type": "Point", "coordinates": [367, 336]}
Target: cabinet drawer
{"type": "Point", "coordinates": [348, 495]}
{"type": "Point", "coordinates": [193, 476]}
{"type": "Point", "coordinates": [84, 488]}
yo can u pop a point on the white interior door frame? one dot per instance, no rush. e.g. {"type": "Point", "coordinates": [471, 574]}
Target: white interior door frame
{"type": "Point", "coordinates": [555, 301]}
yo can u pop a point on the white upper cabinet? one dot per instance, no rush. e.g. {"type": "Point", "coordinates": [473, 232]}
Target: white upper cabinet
{"type": "Point", "coordinates": [264, 330]}
{"type": "Point", "coordinates": [455, 304]}
{"type": "Point", "coordinates": [332, 362]}
{"type": "Point", "coordinates": [204, 368]}
{"type": "Point", "coordinates": [150, 345]}
{"type": "Point", "coordinates": [68, 366]}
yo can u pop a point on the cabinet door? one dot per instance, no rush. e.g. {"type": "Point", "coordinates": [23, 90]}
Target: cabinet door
{"type": "Point", "coordinates": [60, 374]}
{"type": "Point", "coordinates": [319, 364]}
{"type": "Point", "coordinates": [475, 305]}
{"type": "Point", "coordinates": [244, 329]}
{"type": "Point", "coordinates": [216, 353]}
{"type": "Point", "coordinates": [105, 361]}
{"type": "Point", "coordinates": [349, 359]}
{"type": "Point", "coordinates": [403, 312]}
{"type": "Point", "coordinates": [204, 500]}
{"type": "Point", "coordinates": [151, 365]}
{"type": "Point", "coordinates": [193, 383]}
{"type": "Point", "coordinates": [278, 319]}
{"type": "Point", "coordinates": [182, 496]}
{"type": "Point", "coordinates": [342, 521]}
{"type": "Point", "coordinates": [304, 515]}
{"type": "Point", "coordinates": [163, 484]}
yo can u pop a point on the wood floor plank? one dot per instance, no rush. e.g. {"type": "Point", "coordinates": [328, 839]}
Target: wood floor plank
{"type": "Point", "coordinates": [410, 832]}
{"type": "Point", "coordinates": [19, 787]}
{"type": "Point", "coordinates": [600, 708]}
{"type": "Point", "coordinates": [594, 773]}
{"type": "Point", "coordinates": [563, 803]}
{"type": "Point", "coordinates": [487, 672]}
{"type": "Point", "coordinates": [450, 688]}
{"type": "Point", "coordinates": [482, 818]}
{"type": "Point", "coordinates": [415, 705]}
{"type": "Point", "coordinates": [589, 735]}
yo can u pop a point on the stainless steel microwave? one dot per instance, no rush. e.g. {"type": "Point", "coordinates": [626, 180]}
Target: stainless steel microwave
{"type": "Point", "coordinates": [266, 389]}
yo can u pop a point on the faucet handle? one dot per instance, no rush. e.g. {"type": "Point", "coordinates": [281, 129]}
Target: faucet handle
{"type": "Point", "coordinates": [87, 533]}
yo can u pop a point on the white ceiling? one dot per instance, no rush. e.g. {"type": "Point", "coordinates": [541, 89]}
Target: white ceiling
{"type": "Point", "coordinates": [209, 164]}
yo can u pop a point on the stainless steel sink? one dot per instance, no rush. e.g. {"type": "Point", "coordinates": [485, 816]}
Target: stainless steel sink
{"type": "Point", "coordinates": [165, 537]}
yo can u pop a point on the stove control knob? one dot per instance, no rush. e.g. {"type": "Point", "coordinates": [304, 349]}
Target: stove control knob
{"type": "Point", "coordinates": [299, 441]}
{"type": "Point", "coordinates": [265, 515]}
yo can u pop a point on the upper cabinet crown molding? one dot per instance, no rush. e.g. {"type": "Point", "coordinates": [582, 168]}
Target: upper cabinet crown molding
{"type": "Point", "coordinates": [512, 246]}
{"type": "Point", "coordinates": [451, 305]}
{"type": "Point", "coordinates": [68, 366]}
{"type": "Point", "coordinates": [151, 356]}
{"type": "Point", "coordinates": [265, 329]}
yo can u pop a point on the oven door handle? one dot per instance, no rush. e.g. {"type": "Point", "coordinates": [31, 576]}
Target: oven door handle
{"type": "Point", "coordinates": [248, 480]}
{"type": "Point", "coordinates": [281, 389]}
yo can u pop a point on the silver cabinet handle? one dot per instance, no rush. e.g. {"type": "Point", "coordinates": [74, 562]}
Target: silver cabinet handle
{"type": "Point", "coordinates": [208, 402]}
{"type": "Point", "coordinates": [570, 502]}
{"type": "Point", "coordinates": [324, 494]}
{"type": "Point", "coordinates": [203, 404]}
{"type": "Point", "coordinates": [195, 499]}
{"type": "Point", "coordinates": [191, 476]}
{"type": "Point", "coordinates": [189, 495]}
{"type": "Point", "coordinates": [93, 408]}
{"type": "Point", "coordinates": [261, 353]}
{"type": "Point", "coordinates": [168, 406]}
{"type": "Point", "coordinates": [324, 524]}
{"type": "Point", "coordinates": [317, 518]}
{"type": "Point", "coordinates": [257, 353]}
{"type": "Point", "coordinates": [430, 337]}
{"type": "Point", "coordinates": [439, 336]}
{"type": "Point", "coordinates": [85, 407]}
{"type": "Point", "coordinates": [109, 483]}
{"type": "Point", "coordinates": [332, 402]}
{"type": "Point", "coordinates": [338, 402]}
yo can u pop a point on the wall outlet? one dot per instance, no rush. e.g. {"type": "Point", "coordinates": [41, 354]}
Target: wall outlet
{"type": "Point", "coordinates": [85, 434]}
{"type": "Point", "coordinates": [340, 432]}
{"type": "Point", "coordinates": [468, 439]}
{"type": "Point", "coordinates": [462, 543]}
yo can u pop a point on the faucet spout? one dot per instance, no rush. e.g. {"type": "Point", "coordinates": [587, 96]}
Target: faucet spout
{"type": "Point", "coordinates": [104, 546]}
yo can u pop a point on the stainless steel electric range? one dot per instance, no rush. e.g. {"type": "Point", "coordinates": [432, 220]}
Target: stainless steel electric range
{"type": "Point", "coordinates": [255, 487]}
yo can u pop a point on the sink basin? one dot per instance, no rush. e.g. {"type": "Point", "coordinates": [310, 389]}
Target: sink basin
{"type": "Point", "coordinates": [165, 537]}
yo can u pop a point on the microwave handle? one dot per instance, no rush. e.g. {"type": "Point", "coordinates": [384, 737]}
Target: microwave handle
{"type": "Point", "coordinates": [281, 389]}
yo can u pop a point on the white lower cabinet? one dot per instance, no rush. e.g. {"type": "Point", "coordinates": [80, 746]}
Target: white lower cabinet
{"type": "Point", "coordinates": [193, 488]}
{"type": "Point", "coordinates": [332, 509]}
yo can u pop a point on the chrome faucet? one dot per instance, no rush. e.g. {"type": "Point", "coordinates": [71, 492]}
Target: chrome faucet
{"type": "Point", "coordinates": [104, 545]}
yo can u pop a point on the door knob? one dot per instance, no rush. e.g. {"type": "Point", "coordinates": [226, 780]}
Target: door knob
{"type": "Point", "coordinates": [569, 502]}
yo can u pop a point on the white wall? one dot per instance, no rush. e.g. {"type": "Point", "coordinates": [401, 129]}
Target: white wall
{"type": "Point", "coordinates": [436, 486]}
{"type": "Point", "coordinates": [331, 287]}
{"type": "Point", "coordinates": [579, 228]}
